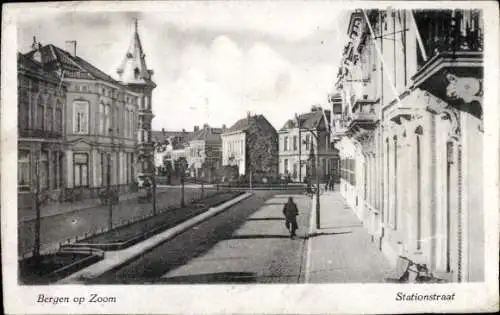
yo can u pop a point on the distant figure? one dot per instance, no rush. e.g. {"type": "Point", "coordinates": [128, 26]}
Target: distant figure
{"type": "Point", "coordinates": [291, 212]}
{"type": "Point", "coordinates": [332, 182]}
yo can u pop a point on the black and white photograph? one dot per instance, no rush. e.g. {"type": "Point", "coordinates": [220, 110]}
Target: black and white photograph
{"type": "Point", "coordinates": [256, 148]}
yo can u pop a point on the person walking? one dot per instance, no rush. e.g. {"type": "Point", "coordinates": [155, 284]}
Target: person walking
{"type": "Point", "coordinates": [332, 182]}
{"type": "Point", "coordinates": [291, 212]}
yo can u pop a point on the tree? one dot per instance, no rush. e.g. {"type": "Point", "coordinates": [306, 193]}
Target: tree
{"type": "Point", "coordinates": [167, 169]}
{"type": "Point", "coordinates": [181, 166]}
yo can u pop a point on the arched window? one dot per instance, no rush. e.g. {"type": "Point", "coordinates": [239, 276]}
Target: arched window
{"type": "Point", "coordinates": [102, 119]}
{"type": "Point", "coordinates": [58, 117]}
{"type": "Point", "coordinates": [136, 73]}
{"type": "Point", "coordinates": [24, 107]}
{"type": "Point", "coordinates": [49, 113]}
{"type": "Point", "coordinates": [107, 115]}
{"type": "Point", "coordinates": [40, 115]}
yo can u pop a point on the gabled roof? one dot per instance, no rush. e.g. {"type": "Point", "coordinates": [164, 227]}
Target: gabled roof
{"type": "Point", "coordinates": [207, 134]}
{"type": "Point", "coordinates": [33, 67]}
{"type": "Point", "coordinates": [74, 67]}
{"type": "Point", "coordinates": [309, 120]}
{"type": "Point", "coordinates": [244, 123]}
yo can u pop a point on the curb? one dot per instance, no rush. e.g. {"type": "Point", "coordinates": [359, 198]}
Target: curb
{"type": "Point", "coordinates": [116, 259]}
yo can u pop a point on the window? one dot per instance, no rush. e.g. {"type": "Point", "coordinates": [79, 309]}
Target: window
{"type": "Point", "coordinates": [40, 113]}
{"type": "Point", "coordinates": [286, 166]}
{"type": "Point", "coordinates": [44, 170]}
{"type": "Point", "coordinates": [81, 117]}
{"type": "Point", "coordinates": [307, 142]}
{"type": "Point", "coordinates": [80, 169]}
{"type": "Point", "coordinates": [102, 119]}
{"type": "Point", "coordinates": [23, 114]}
{"type": "Point", "coordinates": [295, 143]}
{"type": "Point", "coordinates": [295, 170]}
{"type": "Point", "coordinates": [285, 144]}
{"type": "Point", "coordinates": [23, 170]}
{"type": "Point", "coordinates": [49, 115]}
{"type": "Point", "coordinates": [58, 118]}
{"type": "Point", "coordinates": [54, 162]}
{"type": "Point", "coordinates": [107, 115]}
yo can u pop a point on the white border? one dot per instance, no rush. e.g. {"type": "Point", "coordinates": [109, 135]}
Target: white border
{"type": "Point", "coordinates": [310, 299]}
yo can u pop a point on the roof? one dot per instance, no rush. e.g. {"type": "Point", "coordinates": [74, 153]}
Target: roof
{"type": "Point", "coordinates": [309, 120]}
{"type": "Point", "coordinates": [73, 66]}
{"type": "Point", "coordinates": [244, 123]}
{"type": "Point", "coordinates": [207, 134]}
{"type": "Point", "coordinates": [176, 137]}
{"type": "Point", "coordinates": [33, 67]}
{"type": "Point", "coordinates": [133, 69]}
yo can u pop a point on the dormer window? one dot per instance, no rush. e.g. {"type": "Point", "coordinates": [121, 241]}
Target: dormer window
{"type": "Point", "coordinates": [129, 55]}
{"type": "Point", "coordinates": [37, 56]}
{"type": "Point", "coordinates": [136, 73]}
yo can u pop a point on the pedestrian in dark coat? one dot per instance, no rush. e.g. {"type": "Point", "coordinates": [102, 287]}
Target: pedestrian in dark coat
{"type": "Point", "coordinates": [291, 212]}
{"type": "Point", "coordinates": [332, 183]}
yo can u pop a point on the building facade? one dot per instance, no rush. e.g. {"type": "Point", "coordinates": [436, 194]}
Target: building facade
{"type": "Point", "coordinates": [41, 109]}
{"type": "Point", "coordinates": [252, 145]}
{"type": "Point", "coordinates": [204, 152]}
{"type": "Point", "coordinates": [299, 147]}
{"type": "Point", "coordinates": [410, 135]}
{"type": "Point", "coordinates": [102, 142]}
{"type": "Point", "coordinates": [135, 75]}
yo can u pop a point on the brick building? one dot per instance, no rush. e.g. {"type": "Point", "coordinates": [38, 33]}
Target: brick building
{"type": "Point", "coordinates": [411, 135]}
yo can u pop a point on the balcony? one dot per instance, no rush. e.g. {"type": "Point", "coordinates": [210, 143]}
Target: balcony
{"type": "Point", "coordinates": [450, 65]}
{"type": "Point", "coordinates": [39, 133]}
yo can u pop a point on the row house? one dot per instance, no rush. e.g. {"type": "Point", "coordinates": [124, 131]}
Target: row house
{"type": "Point", "coordinates": [410, 135]}
{"type": "Point", "coordinates": [106, 123]}
{"type": "Point", "coordinates": [169, 145]}
{"type": "Point", "coordinates": [41, 104]}
{"type": "Point", "coordinates": [251, 144]}
{"type": "Point", "coordinates": [302, 140]}
{"type": "Point", "coordinates": [204, 151]}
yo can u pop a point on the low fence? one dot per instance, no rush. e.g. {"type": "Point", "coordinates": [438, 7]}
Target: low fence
{"type": "Point", "coordinates": [69, 226]}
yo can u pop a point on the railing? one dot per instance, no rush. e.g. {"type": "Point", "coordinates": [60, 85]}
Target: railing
{"type": "Point", "coordinates": [39, 133]}
{"type": "Point", "coordinates": [449, 31]}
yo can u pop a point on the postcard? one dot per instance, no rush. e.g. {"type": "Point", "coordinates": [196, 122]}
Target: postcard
{"type": "Point", "coordinates": [250, 157]}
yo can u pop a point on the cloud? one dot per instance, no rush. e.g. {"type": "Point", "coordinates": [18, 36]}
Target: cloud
{"type": "Point", "coordinates": [292, 20]}
{"type": "Point", "coordinates": [219, 83]}
{"type": "Point", "coordinates": [213, 61]}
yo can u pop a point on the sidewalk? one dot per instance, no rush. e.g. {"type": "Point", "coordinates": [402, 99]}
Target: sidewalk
{"type": "Point", "coordinates": [341, 250]}
{"type": "Point", "coordinates": [27, 214]}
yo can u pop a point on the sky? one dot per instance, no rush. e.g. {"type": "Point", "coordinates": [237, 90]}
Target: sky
{"type": "Point", "coordinates": [213, 61]}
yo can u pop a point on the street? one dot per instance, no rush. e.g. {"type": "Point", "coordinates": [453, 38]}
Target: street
{"type": "Point", "coordinates": [248, 243]}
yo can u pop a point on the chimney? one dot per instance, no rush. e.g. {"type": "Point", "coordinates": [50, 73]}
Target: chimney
{"type": "Point", "coordinates": [183, 130]}
{"type": "Point", "coordinates": [196, 128]}
{"type": "Point", "coordinates": [71, 47]}
{"type": "Point", "coordinates": [224, 127]}
{"type": "Point", "coordinates": [205, 126]}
